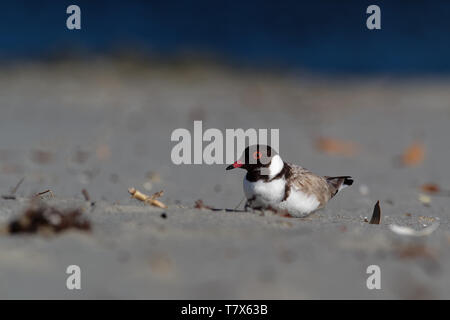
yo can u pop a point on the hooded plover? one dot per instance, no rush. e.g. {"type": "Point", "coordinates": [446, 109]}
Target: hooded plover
{"type": "Point", "coordinates": [273, 184]}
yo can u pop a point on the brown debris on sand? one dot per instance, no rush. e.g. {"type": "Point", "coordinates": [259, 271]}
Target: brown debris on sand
{"type": "Point", "coordinates": [44, 219]}
{"type": "Point", "coordinates": [332, 146]}
{"type": "Point", "coordinates": [434, 189]}
{"type": "Point", "coordinates": [41, 157]}
{"type": "Point", "coordinates": [414, 155]}
{"type": "Point", "coordinates": [200, 205]}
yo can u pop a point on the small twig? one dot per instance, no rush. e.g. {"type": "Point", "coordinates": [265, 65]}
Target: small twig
{"type": "Point", "coordinates": [157, 195]}
{"type": "Point", "coordinates": [239, 203]}
{"type": "Point", "coordinates": [200, 205]}
{"type": "Point", "coordinates": [147, 199]}
{"type": "Point", "coordinates": [11, 195]}
{"type": "Point", "coordinates": [8, 197]}
{"type": "Point", "coordinates": [376, 216]}
{"type": "Point", "coordinates": [14, 190]}
{"type": "Point", "coordinates": [86, 195]}
{"type": "Point", "coordinates": [44, 192]}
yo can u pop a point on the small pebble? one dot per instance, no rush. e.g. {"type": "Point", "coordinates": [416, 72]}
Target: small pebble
{"type": "Point", "coordinates": [148, 186]}
{"type": "Point", "coordinates": [364, 190]}
{"type": "Point", "coordinates": [426, 200]}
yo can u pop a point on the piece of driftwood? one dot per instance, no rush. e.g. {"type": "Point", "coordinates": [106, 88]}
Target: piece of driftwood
{"type": "Point", "coordinates": [136, 194]}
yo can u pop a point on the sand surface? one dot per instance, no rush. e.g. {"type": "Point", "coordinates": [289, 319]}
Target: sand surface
{"type": "Point", "coordinates": [105, 126]}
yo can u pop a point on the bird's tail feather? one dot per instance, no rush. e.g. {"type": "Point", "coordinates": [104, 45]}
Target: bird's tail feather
{"type": "Point", "coordinates": [338, 183]}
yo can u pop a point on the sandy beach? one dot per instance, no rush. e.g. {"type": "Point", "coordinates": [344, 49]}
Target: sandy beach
{"type": "Point", "coordinates": [105, 126]}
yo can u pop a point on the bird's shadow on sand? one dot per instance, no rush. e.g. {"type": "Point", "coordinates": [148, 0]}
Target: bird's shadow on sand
{"type": "Point", "coordinates": [281, 214]}
{"type": "Point", "coordinates": [228, 210]}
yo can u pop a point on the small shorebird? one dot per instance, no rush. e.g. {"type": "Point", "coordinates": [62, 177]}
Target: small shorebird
{"type": "Point", "coordinates": [273, 184]}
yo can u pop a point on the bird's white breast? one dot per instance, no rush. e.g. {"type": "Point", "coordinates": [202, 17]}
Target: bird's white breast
{"type": "Point", "coordinates": [299, 204]}
{"type": "Point", "coordinates": [265, 193]}
{"type": "Point", "coordinates": [271, 194]}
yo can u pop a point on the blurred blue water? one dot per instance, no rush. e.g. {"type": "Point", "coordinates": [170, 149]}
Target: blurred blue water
{"type": "Point", "coordinates": [322, 36]}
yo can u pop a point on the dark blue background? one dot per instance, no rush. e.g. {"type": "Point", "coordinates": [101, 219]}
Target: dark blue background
{"type": "Point", "coordinates": [320, 36]}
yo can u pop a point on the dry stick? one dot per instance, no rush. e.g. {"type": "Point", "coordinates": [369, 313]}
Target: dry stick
{"type": "Point", "coordinates": [376, 216]}
{"type": "Point", "coordinates": [44, 192]}
{"type": "Point", "coordinates": [11, 195]}
{"type": "Point", "coordinates": [8, 197]}
{"type": "Point", "coordinates": [147, 199]}
{"type": "Point", "coordinates": [239, 203]}
{"type": "Point", "coordinates": [200, 205]}
{"type": "Point", "coordinates": [86, 195]}
{"type": "Point", "coordinates": [87, 198]}
{"type": "Point", "coordinates": [14, 190]}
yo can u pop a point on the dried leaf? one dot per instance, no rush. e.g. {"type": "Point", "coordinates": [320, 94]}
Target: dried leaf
{"type": "Point", "coordinates": [337, 147]}
{"type": "Point", "coordinates": [413, 155]}
{"type": "Point", "coordinates": [430, 188]}
{"type": "Point", "coordinates": [376, 215]}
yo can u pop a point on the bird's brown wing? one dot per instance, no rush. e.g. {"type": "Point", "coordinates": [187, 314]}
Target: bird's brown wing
{"type": "Point", "coordinates": [309, 183]}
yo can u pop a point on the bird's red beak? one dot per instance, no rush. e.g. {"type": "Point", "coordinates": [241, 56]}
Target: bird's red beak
{"type": "Point", "coordinates": [236, 164]}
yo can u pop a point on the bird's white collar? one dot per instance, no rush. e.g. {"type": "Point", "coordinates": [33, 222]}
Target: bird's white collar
{"type": "Point", "coordinates": [276, 165]}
